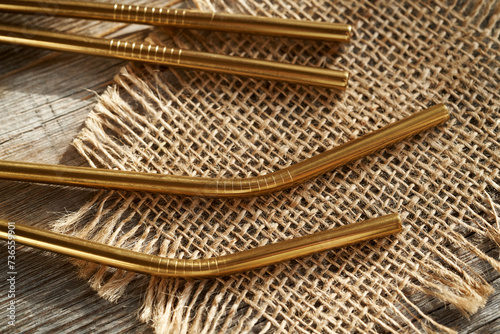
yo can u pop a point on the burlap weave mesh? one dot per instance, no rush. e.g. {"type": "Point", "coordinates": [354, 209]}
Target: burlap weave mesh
{"type": "Point", "coordinates": [405, 56]}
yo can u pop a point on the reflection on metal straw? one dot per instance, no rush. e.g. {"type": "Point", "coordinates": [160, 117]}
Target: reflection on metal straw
{"type": "Point", "coordinates": [210, 267]}
{"type": "Point", "coordinates": [253, 68]}
{"type": "Point", "coordinates": [216, 187]}
{"type": "Point", "coordinates": [183, 18]}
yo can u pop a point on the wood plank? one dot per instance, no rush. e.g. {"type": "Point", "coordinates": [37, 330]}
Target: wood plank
{"type": "Point", "coordinates": [45, 97]}
{"type": "Point", "coordinates": [489, 315]}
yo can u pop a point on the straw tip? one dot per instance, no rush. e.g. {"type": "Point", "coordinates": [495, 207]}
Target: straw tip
{"type": "Point", "coordinates": [440, 110]}
{"type": "Point", "coordinates": [442, 106]}
{"type": "Point", "coordinates": [343, 80]}
{"type": "Point", "coordinates": [398, 221]}
{"type": "Point", "coordinates": [395, 220]}
{"type": "Point", "coordinates": [349, 32]}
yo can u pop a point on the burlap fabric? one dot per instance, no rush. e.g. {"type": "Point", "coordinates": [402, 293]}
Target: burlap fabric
{"type": "Point", "coordinates": [405, 56]}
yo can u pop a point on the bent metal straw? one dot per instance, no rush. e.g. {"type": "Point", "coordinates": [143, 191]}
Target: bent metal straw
{"type": "Point", "coordinates": [199, 268]}
{"type": "Point", "coordinates": [183, 18]}
{"type": "Point", "coordinates": [218, 187]}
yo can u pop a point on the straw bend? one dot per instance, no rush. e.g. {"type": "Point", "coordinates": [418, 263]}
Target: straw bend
{"type": "Point", "coordinates": [199, 268]}
{"type": "Point", "coordinates": [218, 187]}
{"type": "Point", "coordinates": [183, 18]}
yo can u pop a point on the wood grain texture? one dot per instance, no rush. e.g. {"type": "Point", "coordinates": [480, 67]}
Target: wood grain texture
{"type": "Point", "coordinates": [44, 98]}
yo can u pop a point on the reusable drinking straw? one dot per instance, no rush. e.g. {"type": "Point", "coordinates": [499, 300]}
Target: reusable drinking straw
{"type": "Point", "coordinates": [199, 268]}
{"type": "Point", "coordinates": [221, 187]}
{"type": "Point", "coordinates": [184, 18]}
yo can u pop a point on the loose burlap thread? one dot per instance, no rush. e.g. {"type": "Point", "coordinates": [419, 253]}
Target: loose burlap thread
{"type": "Point", "coordinates": [405, 56]}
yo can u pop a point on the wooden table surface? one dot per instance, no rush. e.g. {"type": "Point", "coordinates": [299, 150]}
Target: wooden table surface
{"type": "Point", "coordinates": [44, 99]}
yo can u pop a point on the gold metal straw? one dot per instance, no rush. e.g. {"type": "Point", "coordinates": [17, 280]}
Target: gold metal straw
{"type": "Point", "coordinates": [198, 268]}
{"type": "Point", "coordinates": [254, 68]}
{"type": "Point", "coordinates": [217, 187]}
{"type": "Point", "coordinates": [183, 18]}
